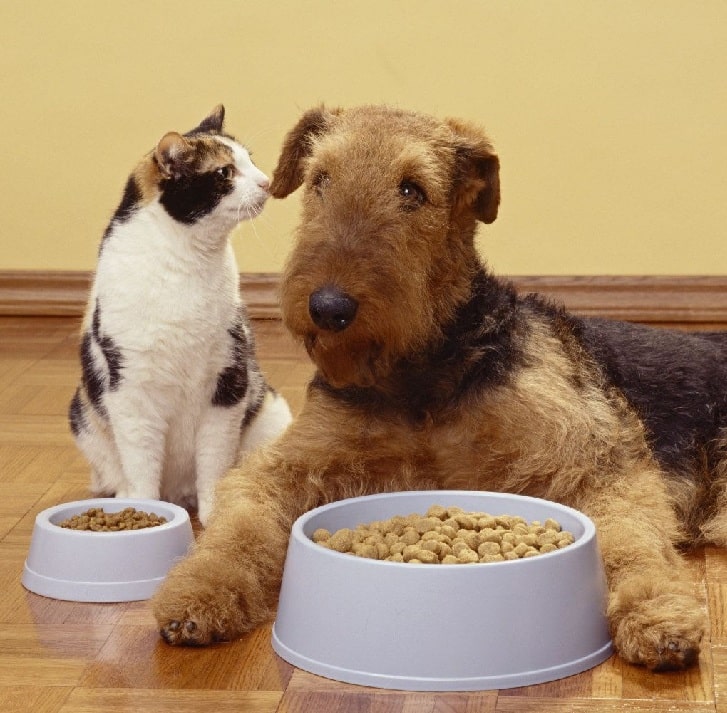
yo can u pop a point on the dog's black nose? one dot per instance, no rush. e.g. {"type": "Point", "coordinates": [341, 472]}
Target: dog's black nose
{"type": "Point", "coordinates": [331, 308]}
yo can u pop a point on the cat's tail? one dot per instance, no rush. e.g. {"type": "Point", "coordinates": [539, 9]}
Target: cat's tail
{"type": "Point", "coordinates": [271, 419]}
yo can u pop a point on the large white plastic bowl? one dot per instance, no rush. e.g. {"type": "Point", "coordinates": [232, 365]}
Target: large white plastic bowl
{"type": "Point", "coordinates": [442, 627]}
{"type": "Point", "coordinates": [85, 566]}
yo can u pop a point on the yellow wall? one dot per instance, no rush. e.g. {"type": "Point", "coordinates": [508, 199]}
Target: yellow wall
{"type": "Point", "coordinates": [610, 117]}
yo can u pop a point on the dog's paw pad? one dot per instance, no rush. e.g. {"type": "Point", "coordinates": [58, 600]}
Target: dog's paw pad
{"type": "Point", "coordinates": [185, 633]}
{"type": "Point", "coordinates": [676, 655]}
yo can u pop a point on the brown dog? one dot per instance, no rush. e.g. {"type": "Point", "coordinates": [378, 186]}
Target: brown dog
{"type": "Point", "coordinates": [432, 373]}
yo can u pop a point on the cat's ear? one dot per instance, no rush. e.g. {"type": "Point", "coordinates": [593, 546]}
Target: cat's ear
{"type": "Point", "coordinates": [289, 173]}
{"type": "Point", "coordinates": [211, 124]}
{"type": "Point", "coordinates": [171, 154]}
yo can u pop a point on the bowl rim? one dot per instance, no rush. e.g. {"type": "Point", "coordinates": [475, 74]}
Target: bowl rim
{"type": "Point", "coordinates": [589, 528]}
{"type": "Point", "coordinates": [44, 519]}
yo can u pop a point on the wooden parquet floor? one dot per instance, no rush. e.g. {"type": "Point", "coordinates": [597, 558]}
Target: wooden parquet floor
{"type": "Point", "coordinates": [62, 657]}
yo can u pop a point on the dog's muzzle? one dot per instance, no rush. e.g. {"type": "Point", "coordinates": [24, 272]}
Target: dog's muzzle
{"type": "Point", "coordinates": [331, 308]}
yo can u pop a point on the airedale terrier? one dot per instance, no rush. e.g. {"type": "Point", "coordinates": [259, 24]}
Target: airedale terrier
{"type": "Point", "coordinates": [433, 373]}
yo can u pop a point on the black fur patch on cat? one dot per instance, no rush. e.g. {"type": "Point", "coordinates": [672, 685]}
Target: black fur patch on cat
{"type": "Point", "coordinates": [129, 202]}
{"type": "Point", "coordinates": [91, 376]}
{"type": "Point", "coordinates": [191, 197]}
{"type": "Point", "coordinates": [232, 381]}
{"type": "Point", "coordinates": [92, 373]}
{"type": "Point", "coordinates": [76, 417]}
{"type": "Point", "coordinates": [112, 354]}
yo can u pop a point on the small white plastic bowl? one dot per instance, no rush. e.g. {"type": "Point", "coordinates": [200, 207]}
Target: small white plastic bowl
{"type": "Point", "coordinates": [85, 566]}
{"type": "Point", "coordinates": [442, 627]}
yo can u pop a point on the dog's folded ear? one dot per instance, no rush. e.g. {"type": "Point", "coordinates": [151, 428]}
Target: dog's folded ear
{"type": "Point", "coordinates": [289, 173]}
{"type": "Point", "coordinates": [476, 185]}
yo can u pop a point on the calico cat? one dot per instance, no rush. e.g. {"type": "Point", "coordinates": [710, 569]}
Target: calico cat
{"type": "Point", "coordinates": [170, 390]}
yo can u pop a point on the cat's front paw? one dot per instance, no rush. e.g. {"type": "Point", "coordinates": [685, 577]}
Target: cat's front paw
{"type": "Point", "coordinates": [656, 624]}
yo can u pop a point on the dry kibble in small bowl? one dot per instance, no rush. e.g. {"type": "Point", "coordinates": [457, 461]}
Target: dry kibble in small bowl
{"type": "Point", "coordinates": [98, 520]}
{"type": "Point", "coordinates": [448, 535]}
{"type": "Point", "coordinates": [105, 549]}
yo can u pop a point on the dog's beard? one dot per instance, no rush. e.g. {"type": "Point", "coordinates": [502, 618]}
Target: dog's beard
{"type": "Point", "coordinates": [346, 362]}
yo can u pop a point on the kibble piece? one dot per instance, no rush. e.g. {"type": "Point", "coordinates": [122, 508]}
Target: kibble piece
{"type": "Point", "coordinates": [549, 537]}
{"type": "Point", "coordinates": [530, 539]}
{"type": "Point", "coordinates": [468, 555]}
{"type": "Point", "coordinates": [448, 531]}
{"type": "Point", "coordinates": [488, 549]}
{"type": "Point", "coordinates": [341, 540]}
{"type": "Point", "coordinates": [321, 535]}
{"type": "Point", "coordinates": [364, 550]}
{"type": "Point", "coordinates": [428, 557]}
{"type": "Point", "coordinates": [410, 536]}
{"type": "Point", "coordinates": [427, 524]}
{"type": "Point", "coordinates": [437, 511]}
{"type": "Point", "coordinates": [488, 534]}
{"type": "Point", "coordinates": [466, 521]}
{"type": "Point", "coordinates": [566, 538]}
{"type": "Point", "coordinates": [458, 545]}
{"type": "Point", "coordinates": [451, 523]}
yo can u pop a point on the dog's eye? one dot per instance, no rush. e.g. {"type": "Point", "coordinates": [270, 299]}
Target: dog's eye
{"type": "Point", "coordinates": [225, 171]}
{"type": "Point", "coordinates": [320, 182]}
{"type": "Point", "coordinates": [412, 194]}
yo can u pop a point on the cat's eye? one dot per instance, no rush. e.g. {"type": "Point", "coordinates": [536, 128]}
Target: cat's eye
{"type": "Point", "coordinates": [225, 171]}
{"type": "Point", "coordinates": [412, 195]}
{"type": "Point", "coordinates": [320, 182]}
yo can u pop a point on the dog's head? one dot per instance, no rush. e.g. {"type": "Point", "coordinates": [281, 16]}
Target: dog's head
{"type": "Point", "coordinates": [385, 250]}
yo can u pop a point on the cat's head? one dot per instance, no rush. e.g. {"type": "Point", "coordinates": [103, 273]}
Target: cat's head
{"type": "Point", "coordinates": [202, 176]}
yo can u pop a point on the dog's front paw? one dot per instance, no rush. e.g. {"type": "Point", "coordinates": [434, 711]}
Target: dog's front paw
{"type": "Point", "coordinates": [656, 624]}
{"type": "Point", "coordinates": [184, 632]}
{"type": "Point", "coordinates": [191, 612]}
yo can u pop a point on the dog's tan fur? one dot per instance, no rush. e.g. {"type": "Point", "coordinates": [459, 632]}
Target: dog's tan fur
{"type": "Point", "coordinates": [554, 428]}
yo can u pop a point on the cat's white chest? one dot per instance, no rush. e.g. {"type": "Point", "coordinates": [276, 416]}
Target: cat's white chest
{"type": "Point", "coordinates": [167, 304]}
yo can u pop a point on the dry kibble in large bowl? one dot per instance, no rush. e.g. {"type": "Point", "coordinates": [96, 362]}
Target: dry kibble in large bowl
{"type": "Point", "coordinates": [448, 535]}
{"type": "Point", "coordinates": [97, 520]}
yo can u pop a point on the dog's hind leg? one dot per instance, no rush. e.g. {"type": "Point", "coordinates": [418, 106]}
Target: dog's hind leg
{"type": "Point", "coordinates": [655, 617]}
{"type": "Point", "coordinates": [714, 530]}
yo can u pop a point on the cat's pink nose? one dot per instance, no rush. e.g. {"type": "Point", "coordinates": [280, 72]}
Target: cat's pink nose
{"type": "Point", "coordinates": [264, 183]}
